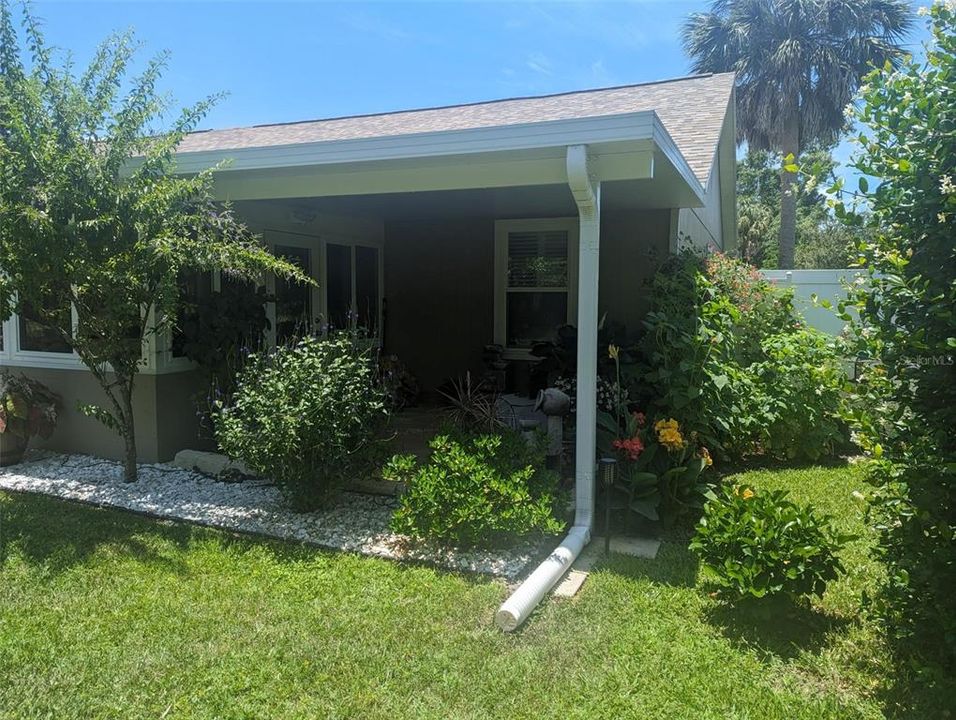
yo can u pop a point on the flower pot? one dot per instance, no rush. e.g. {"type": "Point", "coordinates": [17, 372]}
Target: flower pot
{"type": "Point", "coordinates": [12, 448]}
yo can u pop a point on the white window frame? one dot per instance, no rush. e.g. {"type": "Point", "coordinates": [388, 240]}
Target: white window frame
{"type": "Point", "coordinates": [352, 244]}
{"type": "Point", "coordinates": [502, 230]}
{"type": "Point", "coordinates": [13, 355]}
{"type": "Point", "coordinates": [312, 243]}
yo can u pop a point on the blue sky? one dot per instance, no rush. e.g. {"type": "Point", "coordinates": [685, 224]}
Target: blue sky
{"type": "Point", "coordinates": [286, 61]}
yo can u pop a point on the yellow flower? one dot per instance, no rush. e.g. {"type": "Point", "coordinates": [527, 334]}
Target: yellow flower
{"type": "Point", "coordinates": [670, 438]}
{"type": "Point", "coordinates": [705, 456]}
{"type": "Point", "coordinates": [747, 494]}
{"type": "Point", "coordinates": [613, 351]}
{"type": "Point", "coordinates": [666, 425]}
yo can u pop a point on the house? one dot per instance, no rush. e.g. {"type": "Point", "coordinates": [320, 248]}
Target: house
{"type": "Point", "coordinates": [444, 230]}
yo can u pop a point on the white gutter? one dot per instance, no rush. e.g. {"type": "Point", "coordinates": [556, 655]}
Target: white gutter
{"type": "Point", "coordinates": [587, 195]}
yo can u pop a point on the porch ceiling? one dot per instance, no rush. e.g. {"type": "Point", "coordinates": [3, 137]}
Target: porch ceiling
{"type": "Point", "coordinates": [512, 202]}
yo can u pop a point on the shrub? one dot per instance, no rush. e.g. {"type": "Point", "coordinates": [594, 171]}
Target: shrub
{"type": "Point", "coordinates": [907, 330]}
{"type": "Point", "coordinates": [764, 544]}
{"type": "Point", "coordinates": [27, 407]}
{"type": "Point", "coordinates": [802, 380]}
{"type": "Point", "coordinates": [485, 490]}
{"type": "Point", "coordinates": [726, 357]}
{"type": "Point", "coordinates": [306, 416]}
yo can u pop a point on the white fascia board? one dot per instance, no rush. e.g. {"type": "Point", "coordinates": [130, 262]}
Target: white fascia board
{"type": "Point", "coordinates": [665, 143]}
{"type": "Point", "coordinates": [525, 136]}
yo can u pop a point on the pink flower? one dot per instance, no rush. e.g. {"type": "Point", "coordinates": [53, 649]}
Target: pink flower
{"type": "Point", "coordinates": [632, 447]}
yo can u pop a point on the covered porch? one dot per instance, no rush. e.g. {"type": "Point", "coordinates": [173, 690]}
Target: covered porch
{"type": "Point", "coordinates": [436, 277]}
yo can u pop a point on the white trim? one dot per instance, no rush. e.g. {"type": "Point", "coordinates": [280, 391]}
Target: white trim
{"type": "Point", "coordinates": [317, 245]}
{"type": "Point", "coordinates": [502, 229]}
{"type": "Point", "coordinates": [37, 358]}
{"type": "Point", "coordinates": [523, 136]}
{"type": "Point", "coordinates": [622, 146]}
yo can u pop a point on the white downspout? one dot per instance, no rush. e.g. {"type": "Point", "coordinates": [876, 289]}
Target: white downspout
{"type": "Point", "coordinates": [587, 195]}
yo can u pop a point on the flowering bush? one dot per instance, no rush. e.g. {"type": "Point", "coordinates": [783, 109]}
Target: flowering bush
{"type": "Point", "coordinates": [305, 416]}
{"type": "Point", "coordinates": [660, 466]}
{"type": "Point", "coordinates": [905, 410]}
{"type": "Point", "coordinates": [725, 356]}
{"type": "Point", "coordinates": [760, 544]}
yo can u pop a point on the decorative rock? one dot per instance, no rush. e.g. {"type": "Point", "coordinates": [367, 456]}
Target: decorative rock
{"type": "Point", "coordinates": [355, 523]}
{"type": "Point", "coordinates": [209, 463]}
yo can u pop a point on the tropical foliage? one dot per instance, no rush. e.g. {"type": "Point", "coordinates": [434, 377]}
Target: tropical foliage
{"type": "Point", "coordinates": [92, 214]}
{"type": "Point", "coordinates": [476, 489]}
{"type": "Point", "coordinates": [306, 416]}
{"type": "Point", "coordinates": [798, 65]}
{"type": "Point", "coordinates": [756, 544]}
{"type": "Point", "coordinates": [725, 355]}
{"type": "Point", "coordinates": [659, 465]}
{"type": "Point", "coordinates": [907, 332]}
{"type": "Point", "coordinates": [27, 407]}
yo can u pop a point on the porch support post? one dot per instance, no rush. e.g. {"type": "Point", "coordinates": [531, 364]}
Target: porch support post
{"type": "Point", "coordinates": [587, 195]}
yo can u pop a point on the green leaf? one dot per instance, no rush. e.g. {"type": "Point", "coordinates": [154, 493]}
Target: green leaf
{"type": "Point", "coordinates": [647, 508]}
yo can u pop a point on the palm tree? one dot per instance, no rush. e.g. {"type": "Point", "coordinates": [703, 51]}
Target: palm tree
{"type": "Point", "coordinates": [798, 64]}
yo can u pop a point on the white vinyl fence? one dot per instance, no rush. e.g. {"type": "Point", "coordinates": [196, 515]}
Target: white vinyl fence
{"type": "Point", "coordinates": [825, 285]}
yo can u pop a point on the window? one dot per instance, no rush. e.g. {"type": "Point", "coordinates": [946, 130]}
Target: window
{"type": "Point", "coordinates": [194, 290]}
{"type": "Point", "coordinates": [38, 335]}
{"type": "Point", "coordinates": [352, 283]}
{"type": "Point", "coordinates": [293, 300]}
{"type": "Point", "coordinates": [535, 279]}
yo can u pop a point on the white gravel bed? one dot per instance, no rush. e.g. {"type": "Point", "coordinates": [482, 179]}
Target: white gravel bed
{"type": "Point", "coordinates": [356, 523]}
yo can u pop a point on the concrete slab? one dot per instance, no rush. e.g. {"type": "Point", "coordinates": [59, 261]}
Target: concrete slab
{"type": "Point", "coordinates": [572, 582]}
{"type": "Point", "coordinates": [633, 546]}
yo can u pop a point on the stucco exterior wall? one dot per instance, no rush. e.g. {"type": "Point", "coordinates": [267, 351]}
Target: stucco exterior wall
{"type": "Point", "coordinates": [633, 244]}
{"type": "Point", "coordinates": [164, 414]}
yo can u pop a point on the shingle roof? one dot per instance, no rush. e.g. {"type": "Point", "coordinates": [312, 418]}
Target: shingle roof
{"type": "Point", "coordinates": [692, 110]}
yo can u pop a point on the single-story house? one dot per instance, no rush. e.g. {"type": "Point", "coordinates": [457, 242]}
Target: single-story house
{"type": "Point", "coordinates": [445, 230]}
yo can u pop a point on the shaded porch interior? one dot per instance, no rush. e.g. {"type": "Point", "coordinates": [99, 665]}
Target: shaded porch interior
{"type": "Point", "coordinates": [436, 291]}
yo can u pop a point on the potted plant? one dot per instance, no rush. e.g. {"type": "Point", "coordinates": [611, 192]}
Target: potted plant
{"type": "Point", "coordinates": [27, 408]}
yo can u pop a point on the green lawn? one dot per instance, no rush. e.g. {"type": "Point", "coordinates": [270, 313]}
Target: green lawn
{"type": "Point", "coordinates": [109, 615]}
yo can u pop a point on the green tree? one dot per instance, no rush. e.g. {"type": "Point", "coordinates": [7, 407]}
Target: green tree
{"type": "Point", "coordinates": [798, 65]}
{"type": "Point", "coordinates": [92, 213]}
{"type": "Point", "coordinates": [907, 328]}
{"type": "Point", "coordinates": [822, 241]}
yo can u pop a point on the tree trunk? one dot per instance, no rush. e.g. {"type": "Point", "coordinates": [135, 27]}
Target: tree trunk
{"type": "Point", "coordinates": [128, 429]}
{"type": "Point", "coordinates": [790, 145]}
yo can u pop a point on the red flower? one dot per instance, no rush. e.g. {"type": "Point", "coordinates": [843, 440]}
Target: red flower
{"type": "Point", "coordinates": [639, 418]}
{"type": "Point", "coordinates": [632, 447]}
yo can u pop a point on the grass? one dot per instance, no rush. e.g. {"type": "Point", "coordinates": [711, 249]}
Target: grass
{"type": "Point", "coordinates": [109, 615]}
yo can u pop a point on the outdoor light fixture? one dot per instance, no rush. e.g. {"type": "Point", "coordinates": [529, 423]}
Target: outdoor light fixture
{"type": "Point", "coordinates": [608, 473]}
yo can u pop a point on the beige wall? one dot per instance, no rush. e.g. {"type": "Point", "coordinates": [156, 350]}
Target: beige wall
{"type": "Point", "coordinates": [164, 414]}
{"type": "Point", "coordinates": [439, 289]}
{"type": "Point", "coordinates": [703, 226]}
